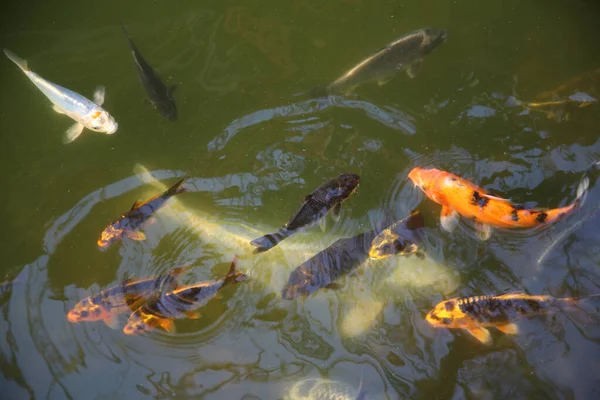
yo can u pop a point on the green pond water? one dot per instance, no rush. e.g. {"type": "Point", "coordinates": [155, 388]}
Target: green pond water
{"type": "Point", "coordinates": [255, 146]}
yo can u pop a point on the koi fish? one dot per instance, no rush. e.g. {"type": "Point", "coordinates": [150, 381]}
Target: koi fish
{"type": "Point", "coordinates": [141, 213]}
{"type": "Point", "coordinates": [87, 114]}
{"type": "Point", "coordinates": [405, 53]}
{"type": "Point", "coordinates": [325, 267]}
{"type": "Point", "coordinates": [395, 238]}
{"type": "Point", "coordinates": [160, 95]}
{"type": "Point", "coordinates": [329, 195]}
{"type": "Point", "coordinates": [109, 303]}
{"type": "Point", "coordinates": [461, 197]}
{"type": "Point", "coordinates": [179, 303]}
{"type": "Point", "coordinates": [477, 313]}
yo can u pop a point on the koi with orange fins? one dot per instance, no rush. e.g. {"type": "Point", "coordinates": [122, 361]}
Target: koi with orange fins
{"type": "Point", "coordinates": [141, 213]}
{"type": "Point", "coordinates": [109, 303]}
{"type": "Point", "coordinates": [459, 196]}
{"type": "Point", "coordinates": [183, 302]}
{"type": "Point", "coordinates": [477, 313]}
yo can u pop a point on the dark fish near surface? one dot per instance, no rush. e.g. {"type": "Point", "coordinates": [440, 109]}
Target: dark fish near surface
{"type": "Point", "coordinates": [109, 303]}
{"type": "Point", "coordinates": [405, 53]}
{"type": "Point", "coordinates": [397, 238]}
{"type": "Point", "coordinates": [129, 223]}
{"type": "Point", "coordinates": [324, 268]}
{"type": "Point", "coordinates": [180, 303]}
{"type": "Point", "coordinates": [160, 95]}
{"type": "Point", "coordinates": [476, 313]}
{"type": "Point", "coordinates": [329, 195]}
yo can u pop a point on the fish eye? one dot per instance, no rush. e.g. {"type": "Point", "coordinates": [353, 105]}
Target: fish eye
{"type": "Point", "coordinates": [446, 321]}
{"type": "Point", "coordinates": [84, 314]}
{"type": "Point", "coordinates": [386, 247]}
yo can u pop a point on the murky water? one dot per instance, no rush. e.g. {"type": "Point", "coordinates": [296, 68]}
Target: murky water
{"type": "Point", "coordinates": [254, 147]}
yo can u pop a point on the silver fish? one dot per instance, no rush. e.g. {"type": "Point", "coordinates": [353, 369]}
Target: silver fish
{"type": "Point", "coordinates": [87, 114]}
{"type": "Point", "coordinates": [405, 53]}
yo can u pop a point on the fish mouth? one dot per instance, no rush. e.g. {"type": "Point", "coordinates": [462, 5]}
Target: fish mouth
{"type": "Point", "coordinates": [112, 129]}
{"type": "Point", "coordinates": [73, 317]}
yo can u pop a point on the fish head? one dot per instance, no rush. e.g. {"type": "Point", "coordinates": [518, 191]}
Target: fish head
{"type": "Point", "coordinates": [102, 121]}
{"type": "Point", "coordinates": [447, 314]}
{"type": "Point", "coordinates": [425, 179]}
{"type": "Point", "coordinates": [111, 234]}
{"type": "Point", "coordinates": [348, 183]}
{"type": "Point", "coordinates": [86, 310]}
{"type": "Point", "coordinates": [432, 38]}
{"type": "Point", "coordinates": [388, 243]}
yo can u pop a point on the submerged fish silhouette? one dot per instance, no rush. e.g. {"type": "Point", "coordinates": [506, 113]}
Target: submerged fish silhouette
{"type": "Point", "coordinates": [405, 53]}
{"type": "Point", "coordinates": [160, 95]}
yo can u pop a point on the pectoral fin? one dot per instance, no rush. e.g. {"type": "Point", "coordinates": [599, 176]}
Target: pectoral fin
{"type": "Point", "coordinates": [73, 133]}
{"type": "Point", "coordinates": [335, 212]}
{"type": "Point", "coordinates": [193, 314]}
{"type": "Point", "coordinates": [509, 329]}
{"type": "Point", "coordinates": [99, 95]}
{"type": "Point", "coordinates": [481, 334]}
{"type": "Point", "coordinates": [135, 235]}
{"type": "Point", "coordinates": [413, 69]}
{"type": "Point", "coordinates": [112, 321]}
{"type": "Point", "coordinates": [168, 325]}
{"type": "Point", "coordinates": [448, 219]}
{"type": "Point", "coordinates": [384, 81]}
{"type": "Point", "coordinates": [323, 224]}
{"type": "Point", "coordinates": [57, 109]}
{"type": "Point", "coordinates": [483, 231]}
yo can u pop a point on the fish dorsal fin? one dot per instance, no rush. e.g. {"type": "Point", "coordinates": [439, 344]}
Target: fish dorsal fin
{"type": "Point", "coordinates": [415, 220]}
{"type": "Point", "coordinates": [136, 204]}
{"type": "Point", "coordinates": [99, 95]}
{"type": "Point", "coordinates": [308, 198]}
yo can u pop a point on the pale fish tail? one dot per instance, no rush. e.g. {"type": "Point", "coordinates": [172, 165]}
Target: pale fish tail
{"type": "Point", "coordinates": [266, 242]}
{"type": "Point", "coordinates": [17, 60]}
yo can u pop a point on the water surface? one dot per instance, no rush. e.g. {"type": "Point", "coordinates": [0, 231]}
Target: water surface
{"type": "Point", "coordinates": [254, 147]}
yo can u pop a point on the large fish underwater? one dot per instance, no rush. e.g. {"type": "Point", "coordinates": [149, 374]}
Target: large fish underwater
{"type": "Point", "coordinates": [159, 94]}
{"type": "Point", "coordinates": [459, 196]}
{"type": "Point", "coordinates": [476, 314]}
{"type": "Point", "coordinates": [180, 303]}
{"type": "Point", "coordinates": [328, 196]}
{"type": "Point", "coordinates": [344, 255]}
{"type": "Point", "coordinates": [405, 53]}
{"type": "Point", "coordinates": [108, 304]}
{"type": "Point", "coordinates": [141, 213]}
{"type": "Point", "coordinates": [87, 114]}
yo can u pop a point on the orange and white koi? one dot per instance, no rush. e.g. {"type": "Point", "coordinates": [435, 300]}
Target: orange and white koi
{"type": "Point", "coordinates": [459, 196]}
{"type": "Point", "coordinates": [477, 313]}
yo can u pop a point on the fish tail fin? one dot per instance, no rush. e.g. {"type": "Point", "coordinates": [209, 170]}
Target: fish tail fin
{"type": "Point", "coordinates": [266, 242]}
{"type": "Point", "coordinates": [178, 186]}
{"type": "Point", "coordinates": [17, 60]}
{"type": "Point", "coordinates": [233, 275]}
{"type": "Point", "coordinates": [584, 184]}
{"type": "Point", "coordinates": [415, 220]}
